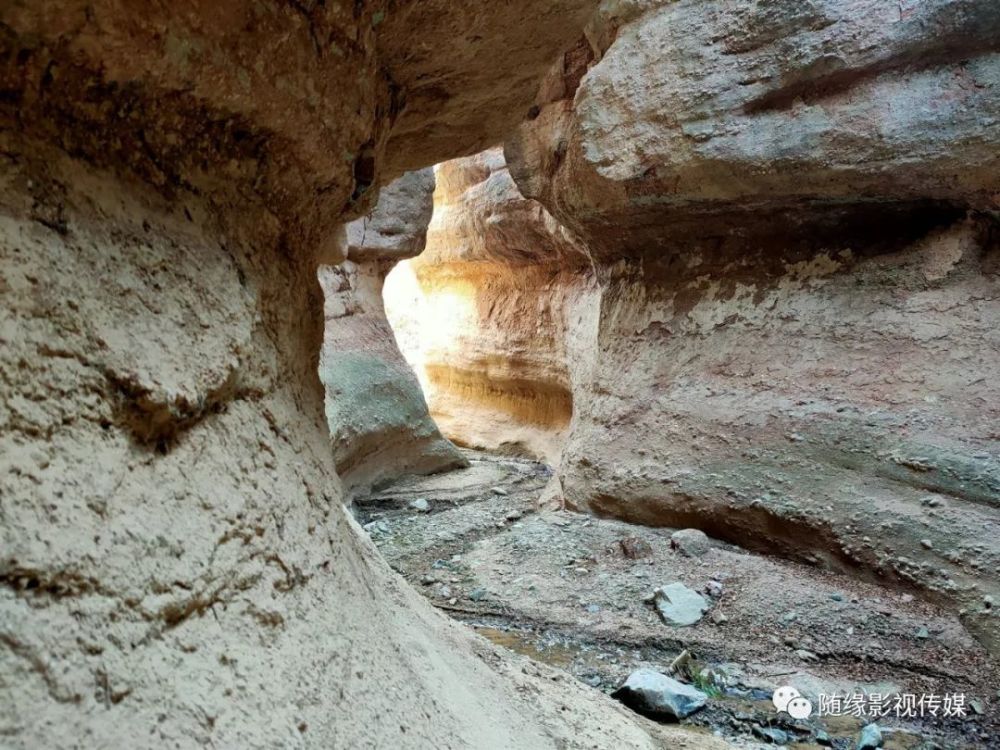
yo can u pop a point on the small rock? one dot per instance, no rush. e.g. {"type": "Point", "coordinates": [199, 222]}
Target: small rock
{"type": "Point", "coordinates": [445, 592]}
{"type": "Point", "coordinates": [923, 633]}
{"type": "Point", "coordinates": [806, 656]}
{"type": "Point", "coordinates": [713, 589]}
{"type": "Point", "coordinates": [870, 738]}
{"type": "Point", "coordinates": [977, 706]}
{"type": "Point", "coordinates": [654, 694]}
{"type": "Point", "coordinates": [679, 605]}
{"type": "Point", "coordinates": [771, 734]}
{"type": "Point", "coordinates": [789, 617]}
{"type": "Point", "coordinates": [593, 608]}
{"type": "Point", "coordinates": [477, 594]}
{"type": "Point", "coordinates": [453, 601]}
{"type": "Point", "coordinates": [927, 544]}
{"type": "Point", "coordinates": [499, 491]}
{"type": "Point", "coordinates": [634, 548]}
{"type": "Point", "coordinates": [427, 579]}
{"type": "Point", "coordinates": [837, 597]}
{"type": "Point", "coordinates": [690, 542]}
{"type": "Point", "coordinates": [718, 618]}
{"type": "Point", "coordinates": [514, 515]}
{"type": "Point", "coordinates": [594, 680]}
{"type": "Point", "coordinates": [822, 738]}
{"type": "Point", "coordinates": [420, 505]}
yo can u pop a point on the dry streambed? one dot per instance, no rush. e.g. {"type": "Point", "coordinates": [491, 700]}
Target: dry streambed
{"type": "Point", "coordinates": [578, 592]}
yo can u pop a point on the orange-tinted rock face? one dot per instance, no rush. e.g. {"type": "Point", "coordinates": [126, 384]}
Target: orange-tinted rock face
{"type": "Point", "coordinates": [482, 312]}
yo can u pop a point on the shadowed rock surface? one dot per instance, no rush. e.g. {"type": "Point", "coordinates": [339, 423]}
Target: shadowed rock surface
{"type": "Point", "coordinates": [378, 418]}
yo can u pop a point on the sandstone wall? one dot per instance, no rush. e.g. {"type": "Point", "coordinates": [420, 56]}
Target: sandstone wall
{"type": "Point", "coordinates": [791, 206]}
{"type": "Point", "coordinates": [788, 217]}
{"type": "Point", "coordinates": [177, 567]}
{"type": "Point", "coordinates": [482, 313]}
{"type": "Point", "coordinates": [375, 408]}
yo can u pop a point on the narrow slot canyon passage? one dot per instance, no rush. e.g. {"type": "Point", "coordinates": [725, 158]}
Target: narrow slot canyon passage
{"type": "Point", "coordinates": [490, 316]}
{"type": "Point", "coordinates": [549, 375]}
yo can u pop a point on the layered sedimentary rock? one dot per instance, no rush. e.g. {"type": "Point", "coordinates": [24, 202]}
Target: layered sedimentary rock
{"type": "Point", "coordinates": [791, 304]}
{"type": "Point", "coordinates": [792, 208]}
{"type": "Point", "coordinates": [376, 410]}
{"type": "Point", "coordinates": [177, 567]}
{"type": "Point", "coordinates": [482, 313]}
{"type": "Point", "coordinates": [719, 120]}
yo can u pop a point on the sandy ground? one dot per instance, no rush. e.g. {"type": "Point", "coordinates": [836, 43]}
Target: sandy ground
{"type": "Point", "coordinates": [559, 587]}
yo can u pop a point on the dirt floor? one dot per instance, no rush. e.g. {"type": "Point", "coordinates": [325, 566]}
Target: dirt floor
{"type": "Point", "coordinates": [569, 590]}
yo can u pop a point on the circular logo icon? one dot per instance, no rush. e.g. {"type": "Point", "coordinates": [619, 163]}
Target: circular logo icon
{"type": "Point", "coordinates": [799, 708]}
{"type": "Point", "coordinates": [783, 695]}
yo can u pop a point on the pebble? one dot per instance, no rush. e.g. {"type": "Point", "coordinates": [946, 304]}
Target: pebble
{"type": "Point", "coordinates": [923, 633]}
{"type": "Point", "coordinates": [870, 738]}
{"type": "Point", "coordinates": [678, 605]}
{"type": "Point", "coordinates": [719, 619]}
{"type": "Point", "coordinates": [420, 505]}
{"type": "Point", "coordinates": [477, 594]}
{"type": "Point", "coordinates": [634, 548]}
{"type": "Point", "coordinates": [713, 589]}
{"type": "Point", "coordinates": [806, 656]}
{"type": "Point", "coordinates": [499, 491]}
{"type": "Point", "coordinates": [771, 734]}
{"type": "Point", "coordinates": [690, 542]}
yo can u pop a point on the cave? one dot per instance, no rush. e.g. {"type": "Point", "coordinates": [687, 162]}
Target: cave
{"type": "Point", "coordinates": [541, 375]}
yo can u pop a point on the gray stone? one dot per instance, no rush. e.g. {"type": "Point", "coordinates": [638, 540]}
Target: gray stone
{"type": "Point", "coordinates": [690, 542]}
{"type": "Point", "coordinates": [771, 734]}
{"type": "Point", "coordinates": [718, 618]}
{"type": "Point", "coordinates": [477, 594]}
{"type": "Point", "coordinates": [679, 605]}
{"type": "Point", "coordinates": [870, 738]}
{"type": "Point", "coordinates": [420, 505]}
{"type": "Point", "coordinates": [499, 491]}
{"type": "Point", "coordinates": [654, 694]}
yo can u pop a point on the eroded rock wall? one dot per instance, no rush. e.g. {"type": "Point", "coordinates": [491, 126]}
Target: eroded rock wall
{"type": "Point", "coordinates": [482, 313]}
{"type": "Point", "coordinates": [789, 216]}
{"type": "Point", "coordinates": [791, 206]}
{"type": "Point", "coordinates": [178, 568]}
{"type": "Point", "coordinates": [375, 408]}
